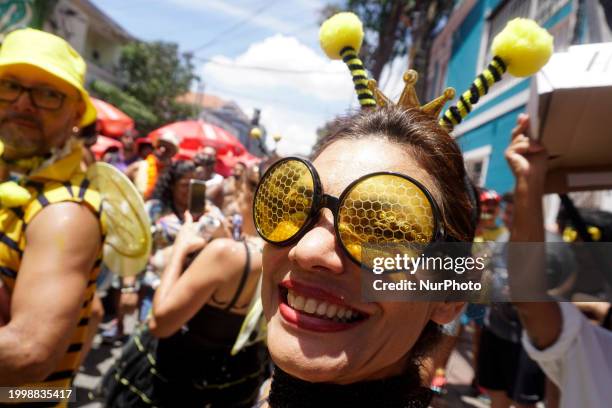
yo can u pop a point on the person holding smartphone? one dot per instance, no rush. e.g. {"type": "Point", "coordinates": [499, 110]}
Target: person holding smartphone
{"type": "Point", "coordinates": [182, 356]}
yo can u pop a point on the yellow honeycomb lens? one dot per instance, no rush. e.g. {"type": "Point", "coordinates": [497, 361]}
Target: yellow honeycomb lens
{"type": "Point", "coordinates": [284, 200]}
{"type": "Point", "coordinates": [384, 209]}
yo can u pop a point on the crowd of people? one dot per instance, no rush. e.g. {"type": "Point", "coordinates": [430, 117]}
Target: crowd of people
{"type": "Point", "coordinates": [285, 237]}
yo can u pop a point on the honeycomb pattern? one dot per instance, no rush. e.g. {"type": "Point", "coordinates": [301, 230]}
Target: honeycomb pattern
{"type": "Point", "coordinates": [384, 209]}
{"type": "Point", "coordinates": [284, 200]}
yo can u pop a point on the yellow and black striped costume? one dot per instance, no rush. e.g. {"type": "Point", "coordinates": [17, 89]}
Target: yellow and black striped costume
{"type": "Point", "coordinates": [67, 184]}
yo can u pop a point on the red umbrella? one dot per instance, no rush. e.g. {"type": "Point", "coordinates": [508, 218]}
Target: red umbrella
{"type": "Point", "coordinates": [196, 134]}
{"type": "Point", "coordinates": [112, 121]}
{"type": "Point", "coordinates": [226, 162]}
{"type": "Point", "coordinates": [104, 143]}
{"type": "Point", "coordinates": [193, 135]}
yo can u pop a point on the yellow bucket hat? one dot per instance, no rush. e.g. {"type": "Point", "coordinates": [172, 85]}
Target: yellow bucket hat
{"type": "Point", "coordinates": [52, 54]}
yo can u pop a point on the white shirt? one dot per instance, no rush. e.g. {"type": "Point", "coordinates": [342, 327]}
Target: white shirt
{"type": "Point", "coordinates": [579, 362]}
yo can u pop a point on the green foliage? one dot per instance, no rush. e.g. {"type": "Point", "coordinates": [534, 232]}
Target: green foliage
{"type": "Point", "coordinates": [156, 74]}
{"type": "Point", "coordinates": [395, 28]}
{"type": "Point", "coordinates": [144, 118]}
{"type": "Point", "coordinates": [152, 75]}
{"type": "Point", "coordinates": [383, 18]}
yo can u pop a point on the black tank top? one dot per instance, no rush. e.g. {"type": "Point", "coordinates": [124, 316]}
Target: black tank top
{"type": "Point", "coordinates": [211, 327]}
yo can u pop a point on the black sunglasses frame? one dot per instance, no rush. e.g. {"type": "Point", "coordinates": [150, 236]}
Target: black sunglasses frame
{"type": "Point", "coordinates": [322, 200]}
{"type": "Point", "coordinates": [29, 90]}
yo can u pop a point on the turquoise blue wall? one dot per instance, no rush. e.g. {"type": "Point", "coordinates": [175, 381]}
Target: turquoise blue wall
{"type": "Point", "coordinates": [497, 134]}
{"type": "Point", "coordinates": [465, 50]}
{"type": "Point", "coordinates": [560, 15]}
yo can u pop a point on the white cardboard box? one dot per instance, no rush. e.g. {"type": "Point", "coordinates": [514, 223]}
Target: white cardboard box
{"type": "Point", "coordinates": [571, 110]}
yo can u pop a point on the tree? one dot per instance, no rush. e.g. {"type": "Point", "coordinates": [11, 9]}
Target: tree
{"type": "Point", "coordinates": [155, 74]}
{"type": "Point", "coordinates": [144, 118]}
{"type": "Point", "coordinates": [395, 28]}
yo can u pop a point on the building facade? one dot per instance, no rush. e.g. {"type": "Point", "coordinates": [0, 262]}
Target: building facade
{"type": "Point", "coordinates": [228, 116]}
{"type": "Point", "coordinates": [461, 51]}
{"type": "Point", "coordinates": [91, 33]}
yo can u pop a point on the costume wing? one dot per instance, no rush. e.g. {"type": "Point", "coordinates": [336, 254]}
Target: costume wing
{"type": "Point", "coordinates": [253, 328]}
{"type": "Point", "coordinates": [128, 240]}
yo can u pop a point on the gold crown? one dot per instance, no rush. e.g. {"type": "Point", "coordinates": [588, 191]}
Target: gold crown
{"type": "Point", "coordinates": [409, 99]}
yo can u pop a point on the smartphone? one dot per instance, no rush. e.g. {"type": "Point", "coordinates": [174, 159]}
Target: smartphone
{"type": "Point", "coordinates": [197, 197]}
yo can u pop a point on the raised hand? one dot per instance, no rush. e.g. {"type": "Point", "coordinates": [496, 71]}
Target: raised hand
{"type": "Point", "coordinates": [526, 156]}
{"type": "Point", "coordinates": [189, 238]}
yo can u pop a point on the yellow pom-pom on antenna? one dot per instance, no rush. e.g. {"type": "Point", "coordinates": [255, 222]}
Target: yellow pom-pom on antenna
{"type": "Point", "coordinates": [340, 31]}
{"type": "Point", "coordinates": [524, 46]}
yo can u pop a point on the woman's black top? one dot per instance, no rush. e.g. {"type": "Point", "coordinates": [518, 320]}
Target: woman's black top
{"type": "Point", "coordinates": [404, 391]}
{"type": "Point", "coordinates": [193, 367]}
{"type": "Point", "coordinates": [211, 326]}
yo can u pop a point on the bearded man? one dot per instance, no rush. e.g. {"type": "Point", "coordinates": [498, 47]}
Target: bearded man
{"type": "Point", "coordinates": [50, 246]}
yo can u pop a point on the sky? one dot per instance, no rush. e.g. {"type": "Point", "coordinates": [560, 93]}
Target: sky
{"type": "Point", "coordinates": [260, 54]}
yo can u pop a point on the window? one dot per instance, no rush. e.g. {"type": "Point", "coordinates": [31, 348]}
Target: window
{"type": "Point", "coordinates": [474, 169]}
{"type": "Point", "coordinates": [477, 163]}
{"type": "Point", "coordinates": [508, 11]}
{"type": "Point", "coordinates": [547, 8]}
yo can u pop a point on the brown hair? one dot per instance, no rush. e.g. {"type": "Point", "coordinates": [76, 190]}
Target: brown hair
{"type": "Point", "coordinates": [430, 145]}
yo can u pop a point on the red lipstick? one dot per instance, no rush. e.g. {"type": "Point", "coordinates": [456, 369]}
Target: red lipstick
{"type": "Point", "coordinates": [311, 321]}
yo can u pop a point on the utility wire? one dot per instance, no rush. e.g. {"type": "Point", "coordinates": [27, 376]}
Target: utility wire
{"type": "Point", "coordinates": [216, 90]}
{"type": "Point", "coordinates": [233, 27]}
{"type": "Point", "coordinates": [249, 29]}
{"type": "Point", "coordinates": [266, 69]}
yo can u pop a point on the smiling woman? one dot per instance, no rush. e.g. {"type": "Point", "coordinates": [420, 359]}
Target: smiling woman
{"type": "Point", "coordinates": [390, 174]}
{"type": "Point", "coordinates": [325, 341]}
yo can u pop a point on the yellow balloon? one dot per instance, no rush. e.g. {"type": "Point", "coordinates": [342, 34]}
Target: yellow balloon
{"type": "Point", "coordinates": [277, 138]}
{"type": "Point", "coordinates": [256, 133]}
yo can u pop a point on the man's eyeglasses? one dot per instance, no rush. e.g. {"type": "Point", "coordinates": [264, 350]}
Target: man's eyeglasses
{"type": "Point", "coordinates": [376, 209]}
{"type": "Point", "coordinates": [42, 97]}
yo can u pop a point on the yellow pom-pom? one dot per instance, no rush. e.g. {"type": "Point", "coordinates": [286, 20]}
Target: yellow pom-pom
{"type": "Point", "coordinates": [340, 31]}
{"type": "Point", "coordinates": [524, 46]}
{"type": "Point", "coordinates": [13, 195]}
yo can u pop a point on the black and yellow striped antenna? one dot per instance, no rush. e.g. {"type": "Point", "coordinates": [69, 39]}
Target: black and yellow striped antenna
{"type": "Point", "coordinates": [341, 37]}
{"type": "Point", "coordinates": [360, 76]}
{"type": "Point", "coordinates": [522, 48]}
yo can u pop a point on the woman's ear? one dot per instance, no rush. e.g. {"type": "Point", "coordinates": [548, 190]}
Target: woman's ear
{"type": "Point", "coordinates": [446, 312]}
